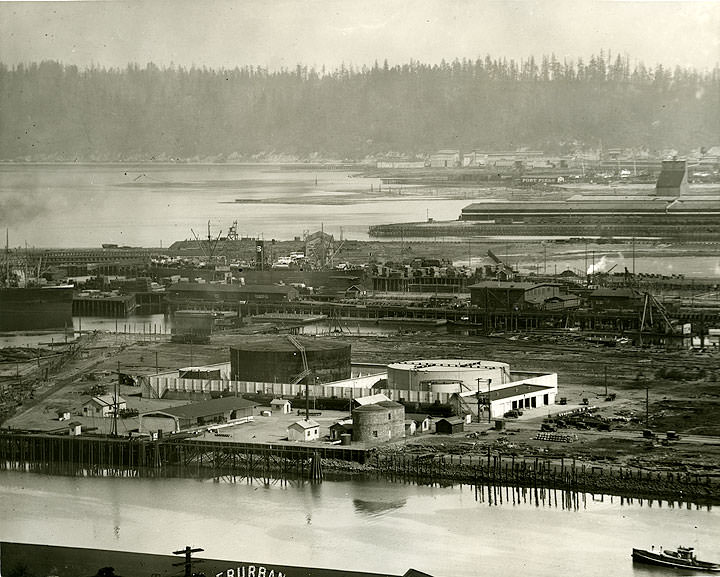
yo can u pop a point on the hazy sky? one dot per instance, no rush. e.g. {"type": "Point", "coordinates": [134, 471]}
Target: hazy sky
{"type": "Point", "coordinates": [323, 32]}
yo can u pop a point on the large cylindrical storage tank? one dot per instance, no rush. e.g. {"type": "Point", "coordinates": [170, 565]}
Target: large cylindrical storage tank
{"type": "Point", "coordinates": [276, 359]}
{"type": "Point", "coordinates": [446, 375]}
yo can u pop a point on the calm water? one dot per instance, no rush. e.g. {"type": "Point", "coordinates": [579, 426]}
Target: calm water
{"type": "Point", "coordinates": [154, 205]}
{"type": "Point", "coordinates": [371, 526]}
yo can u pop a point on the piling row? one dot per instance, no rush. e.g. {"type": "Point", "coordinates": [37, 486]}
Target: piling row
{"type": "Point", "coordinates": [131, 457]}
{"type": "Point", "coordinates": [570, 475]}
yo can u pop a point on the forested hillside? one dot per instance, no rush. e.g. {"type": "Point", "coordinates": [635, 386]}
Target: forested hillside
{"type": "Point", "coordinates": [49, 111]}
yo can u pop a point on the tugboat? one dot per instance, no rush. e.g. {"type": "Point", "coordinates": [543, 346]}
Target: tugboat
{"type": "Point", "coordinates": [681, 558]}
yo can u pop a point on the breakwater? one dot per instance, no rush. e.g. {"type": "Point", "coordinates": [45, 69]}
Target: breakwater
{"type": "Point", "coordinates": [133, 457]}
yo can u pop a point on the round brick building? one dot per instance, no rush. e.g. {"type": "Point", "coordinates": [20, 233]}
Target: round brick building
{"type": "Point", "coordinates": [383, 421]}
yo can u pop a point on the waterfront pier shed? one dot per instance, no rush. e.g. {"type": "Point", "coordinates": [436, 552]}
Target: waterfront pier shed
{"type": "Point", "coordinates": [304, 430]}
{"type": "Point", "coordinates": [194, 415]}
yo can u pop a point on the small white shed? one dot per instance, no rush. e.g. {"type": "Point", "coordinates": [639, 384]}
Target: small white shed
{"type": "Point", "coordinates": [304, 431]}
{"type": "Point", "coordinates": [283, 406]}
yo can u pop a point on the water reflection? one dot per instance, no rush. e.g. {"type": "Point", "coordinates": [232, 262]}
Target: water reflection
{"type": "Point", "coordinates": [374, 508]}
{"type": "Point", "coordinates": [504, 495]}
{"type": "Point", "coordinates": [369, 525]}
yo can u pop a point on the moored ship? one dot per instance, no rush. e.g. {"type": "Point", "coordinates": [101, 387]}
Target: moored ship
{"type": "Point", "coordinates": [681, 558]}
{"type": "Point", "coordinates": [25, 303]}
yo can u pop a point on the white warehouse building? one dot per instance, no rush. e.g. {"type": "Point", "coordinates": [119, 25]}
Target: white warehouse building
{"type": "Point", "coordinates": [462, 381]}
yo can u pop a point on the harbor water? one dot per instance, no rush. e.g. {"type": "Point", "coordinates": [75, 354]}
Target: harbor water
{"type": "Point", "coordinates": [153, 205]}
{"type": "Point", "coordinates": [360, 525]}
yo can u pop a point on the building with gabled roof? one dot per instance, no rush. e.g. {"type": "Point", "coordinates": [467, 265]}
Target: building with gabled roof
{"type": "Point", "coordinates": [223, 410]}
{"type": "Point", "coordinates": [342, 427]}
{"type": "Point", "coordinates": [283, 406]}
{"type": "Point", "coordinates": [304, 430]}
{"type": "Point", "coordinates": [103, 406]}
{"type": "Point", "coordinates": [450, 425]}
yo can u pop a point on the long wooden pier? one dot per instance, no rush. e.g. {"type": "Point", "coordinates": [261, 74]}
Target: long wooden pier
{"type": "Point", "coordinates": [89, 456]}
{"type": "Point", "coordinates": [130, 457]}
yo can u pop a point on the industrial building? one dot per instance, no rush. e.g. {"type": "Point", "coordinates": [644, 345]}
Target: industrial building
{"type": "Point", "coordinates": [534, 391]}
{"type": "Point", "coordinates": [224, 410]}
{"type": "Point", "coordinates": [446, 159]}
{"type": "Point", "coordinates": [513, 296]}
{"type": "Point", "coordinates": [212, 296]}
{"type": "Point", "coordinates": [670, 203]}
{"type": "Point", "coordinates": [279, 366]}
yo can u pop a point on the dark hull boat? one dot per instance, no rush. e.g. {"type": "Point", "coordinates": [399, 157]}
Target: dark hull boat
{"type": "Point", "coordinates": [36, 308]}
{"type": "Point", "coordinates": [40, 560]}
{"type": "Point", "coordinates": [681, 558]}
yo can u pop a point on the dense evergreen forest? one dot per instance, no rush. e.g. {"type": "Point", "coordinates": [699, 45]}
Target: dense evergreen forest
{"type": "Point", "coordinates": [50, 111]}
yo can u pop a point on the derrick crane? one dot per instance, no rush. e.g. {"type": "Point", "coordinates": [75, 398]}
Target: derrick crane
{"type": "Point", "coordinates": [650, 303]}
{"type": "Point", "coordinates": [207, 247]}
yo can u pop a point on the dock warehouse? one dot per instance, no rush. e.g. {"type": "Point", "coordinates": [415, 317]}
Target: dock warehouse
{"type": "Point", "coordinates": [233, 410]}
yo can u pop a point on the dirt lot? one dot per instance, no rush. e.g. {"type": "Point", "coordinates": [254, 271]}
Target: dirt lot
{"type": "Point", "coordinates": [682, 387]}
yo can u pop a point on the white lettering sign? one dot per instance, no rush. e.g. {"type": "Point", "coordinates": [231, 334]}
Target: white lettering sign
{"type": "Point", "coordinates": [250, 571]}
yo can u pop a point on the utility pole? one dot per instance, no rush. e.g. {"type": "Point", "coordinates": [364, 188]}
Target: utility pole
{"type": "Point", "coordinates": [115, 401]}
{"type": "Point", "coordinates": [478, 398]}
{"type": "Point", "coordinates": [307, 399]}
{"type": "Point", "coordinates": [187, 552]}
{"type": "Point", "coordinates": [605, 371]}
{"type": "Point", "coordinates": [647, 408]}
{"type": "Point", "coordinates": [488, 399]}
